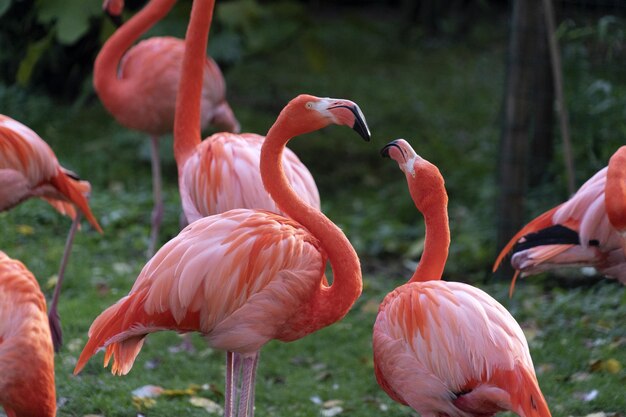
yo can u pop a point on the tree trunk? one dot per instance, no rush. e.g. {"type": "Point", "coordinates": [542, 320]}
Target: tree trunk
{"type": "Point", "coordinates": [525, 116]}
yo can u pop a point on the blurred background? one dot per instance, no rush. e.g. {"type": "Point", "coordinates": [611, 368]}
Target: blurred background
{"type": "Point", "coordinates": [470, 83]}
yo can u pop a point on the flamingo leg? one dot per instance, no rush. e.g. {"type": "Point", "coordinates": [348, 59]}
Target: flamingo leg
{"type": "Point", "coordinates": [246, 399]}
{"type": "Point", "coordinates": [53, 314]}
{"type": "Point", "coordinates": [157, 210]}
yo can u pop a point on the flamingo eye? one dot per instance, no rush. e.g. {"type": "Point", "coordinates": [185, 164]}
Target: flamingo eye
{"type": "Point", "coordinates": [309, 105]}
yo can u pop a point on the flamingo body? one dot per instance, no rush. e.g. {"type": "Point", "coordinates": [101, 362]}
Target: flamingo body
{"type": "Point", "coordinates": [586, 230]}
{"type": "Point", "coordinates": [223, 174]}
{"type": "Point", "coordinates": [26, 353]}
{"type": "Point", "coordinates": [29, 168]}
{"type": "Point", "coordinates": [198, 282]}
{"type": "Point", "coordinates": [153, 67]}
{"type": "Point", "coordinates": [449, 349]}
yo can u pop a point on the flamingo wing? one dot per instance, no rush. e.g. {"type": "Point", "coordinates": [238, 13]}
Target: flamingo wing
{"type": "Point", "coordinates": [575, 233]}
{"type": "Point", "coordinates": [437, 342]}
{"type": "Point", "coordinates": [224, 174]}
{"type": "Point", "coordinates": [29, 168]}
{"type": "Point", "coordinates": [26, 353]}
{"type": "Point", "coordinates": [237, 277]}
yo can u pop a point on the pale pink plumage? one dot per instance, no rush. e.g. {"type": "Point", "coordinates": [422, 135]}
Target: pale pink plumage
{"type": "Point", "coordinates": [26, 353]}
{"type": "Point", "coordinates": [223, 174]}
{"type": "Point", "coordinates": [578, 232]}
{"type": "Point", "coordinates": [447, 349]}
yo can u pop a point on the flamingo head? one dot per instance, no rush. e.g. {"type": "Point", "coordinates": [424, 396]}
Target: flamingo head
{"type": "Point", "coordinates": [224, 119]}
{"type": "Point", "coordinates": [307, 113]}
{"type": "Point", "coordinates": [114, 9]}
{"type": "Point", "coordinates": [425, 181]}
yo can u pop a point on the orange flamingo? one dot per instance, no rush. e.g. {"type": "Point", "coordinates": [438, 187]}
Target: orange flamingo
{"type": "Point", "coordinates": [26, 353]}
{"type": "Point", "coordinates": [588, 229]}
{"type": "Point", "coordinates": [29, 168]}
{"type": "Point", "coordinates": [447, 349]}
{"type": "Point", "coordinates": [221, 173]}
{"type": "Point", "coordinates": [138, 87]}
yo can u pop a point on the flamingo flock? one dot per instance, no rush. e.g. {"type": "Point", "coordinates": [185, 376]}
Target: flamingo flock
{"type": "Point", "coordinates": [250, 265]}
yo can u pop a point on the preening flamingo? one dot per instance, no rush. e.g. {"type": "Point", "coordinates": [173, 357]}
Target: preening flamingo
{"type": "Point", "coordinates": [26, 353]}
{"type": "Point", "coordinates": [29, 168]}
{"type": "Point", "coordinates": [244, 277]}
{"type": "Point", "coordinates": [138, 87]}
{"type": "Point", "coordinates": [587, 230]}
{"type": "Point", "coordinates": [221, 173]}
{"type": "Point", "coordinates": [447, 349]}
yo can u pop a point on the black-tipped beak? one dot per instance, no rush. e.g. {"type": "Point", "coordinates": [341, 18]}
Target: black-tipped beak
{"type": "Point", "coordinates": [359, 124]}
{"type": "Point", "coordinates": [384, 152]}
{"type": "Point", "coordinates": [116, 19]}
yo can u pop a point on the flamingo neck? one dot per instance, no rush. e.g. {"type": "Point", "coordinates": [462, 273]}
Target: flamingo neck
{"type": "Point", "coordinates": [615, 192]}
{"type": "Point", "coordinates": [433, 203]}
{"type": "Point", "coordinates": [329, 304]}
{"type": "Point", "coordinates": [114, 92]}
{"type": "Point", "coordinates": [187, 133]}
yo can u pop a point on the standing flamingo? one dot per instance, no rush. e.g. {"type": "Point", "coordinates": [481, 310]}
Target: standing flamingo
{"type": "Point", "coordinates": [221, 173]}
{"type": "Point", "coordinates": [447, 349]}
{"type": "Point", "coordinates": [26, 353]}
{"type": "Point", "coordinates": [138, 87]}
{"type": "Point", "coordinates": [29, 168]}
{"type": "Point", "coordinates": [588, 229]}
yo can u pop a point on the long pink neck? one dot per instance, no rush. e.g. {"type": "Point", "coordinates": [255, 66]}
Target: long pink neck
{"type": "Point", "coordinates": [330, 303]}
{"type": "Point", "coordinates": [615, 191]}
{"type": "Point", "coordinates": [116, 93]}
{"type": "Point", "coordinates": [187, 133]}
{"type": "Point", "coordinates": [434, 207]}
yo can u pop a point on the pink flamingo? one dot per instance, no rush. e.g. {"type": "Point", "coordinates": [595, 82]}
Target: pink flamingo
{"type": "Point", "coordinates": [29, 168]}
{"type": "Point", "coordinates": [447, 349]}
{"type": "Point", "coordinates": [221, 173]}
{"type": "Point", "coordinates": [138, 87]}
{"type": "Point", "coordinates": [588, 229]}
{"type": "Point", "coordinates": [26, 353]}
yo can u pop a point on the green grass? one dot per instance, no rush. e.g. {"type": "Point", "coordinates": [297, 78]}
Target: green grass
{"type": "Point", "coordinates": [444, 98]}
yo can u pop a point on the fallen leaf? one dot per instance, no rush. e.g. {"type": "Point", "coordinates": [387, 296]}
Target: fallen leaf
{"type": "Point", "coordinates": [24, 229]}
{"type": "Point", "coordinates": [330, 412]}
{"type": "Point", "coordinates": [143, 403]}
{"type": "Point", "coordinates": [147, 391]}
{"type": "Point", "coordinates": [209, 405]}
{"type": "Point", "coordinates": [611, 365]}
{"type": "Point", "coordinates": [580, 376]}
{"type": "Point", "coordinates": [587, 396]}
{"type": "Point", "coordinates": [75, 344]}
{"type": "Point", "coordinates": [52, 282]}
{"type": "Point", "coordinates": [332, 403]}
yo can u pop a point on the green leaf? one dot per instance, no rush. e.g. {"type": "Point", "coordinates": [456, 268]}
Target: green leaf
{"type": "Point", "coordinates": [71, 17]}
{"type": "Point", "coordinates": [33, 54]}
{"type": "Point", "coordinates": [4, 6]}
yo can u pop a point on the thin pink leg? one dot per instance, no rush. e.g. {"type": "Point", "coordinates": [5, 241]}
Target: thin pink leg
{"type": "Point", "coordinates": [229, 395]}
{"type": "Point", "coordinates": [246, 399]}
{"type": "Point", "coordinates": [53, 314]}
{"type": "Point", "coordinates": [157, 211]}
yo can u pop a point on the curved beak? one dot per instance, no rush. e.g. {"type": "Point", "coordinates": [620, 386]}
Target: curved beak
{"type": "Point", "coordinates": [384, 152]}
{"type": "Point", "coordinates": [360, 126]}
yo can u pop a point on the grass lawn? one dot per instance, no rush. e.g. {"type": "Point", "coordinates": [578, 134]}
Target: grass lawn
{"type": "Point", "coordinates": [443, 98]}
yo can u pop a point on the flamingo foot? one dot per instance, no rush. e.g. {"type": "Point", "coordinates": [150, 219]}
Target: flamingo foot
{"type": "Point", "coordinates": [55, 329]}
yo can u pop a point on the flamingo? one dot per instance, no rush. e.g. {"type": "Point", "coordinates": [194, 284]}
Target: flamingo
{"type": "Point", "coordinates": [26, 352]}
{"type": "Point", "coordinates": [588, 229]}
{"type": "Point", "coordinates": [242, 277]}
{"type": "Point", "coordinates": [29, 168]}
{"type": "Point", "coordinates": [138, 87]}
{"type": "Point", "coordinates": [221, 173]}
{"type": "Point", "coordinates": [447, 349]}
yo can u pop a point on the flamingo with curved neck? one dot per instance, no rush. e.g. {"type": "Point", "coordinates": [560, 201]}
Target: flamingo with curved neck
{"type": "Point", "coordinates": [138, 86]}
{"type": "Point", "coordinates": [447, 349]}
{"type": "Point", "coordinates": [221, 172]}
{"type": "Point", "coordinates": [587, 230]}
{"type": "Point", "coordinates": [243, 277]}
